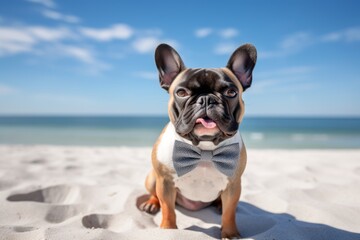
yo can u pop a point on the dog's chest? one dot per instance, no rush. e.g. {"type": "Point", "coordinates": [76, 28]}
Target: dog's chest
{"type": "Point", "coordinates": [204, 183]}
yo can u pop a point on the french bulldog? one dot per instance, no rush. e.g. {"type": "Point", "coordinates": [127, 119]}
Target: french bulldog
{"type": "Point", "coordinates": [199, 157]}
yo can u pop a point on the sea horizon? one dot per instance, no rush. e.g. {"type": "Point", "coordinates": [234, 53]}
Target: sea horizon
{"type": "Point", "coordinates": [260, 132]}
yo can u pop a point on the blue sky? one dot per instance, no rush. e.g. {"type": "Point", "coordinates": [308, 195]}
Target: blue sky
{"type": "Point", "coordinates": [96, 57]}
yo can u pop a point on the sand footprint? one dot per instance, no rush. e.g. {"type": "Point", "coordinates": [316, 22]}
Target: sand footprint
{"type": "Point", "coordinates": [25, 232]}
{"type": "Point", "coordinates": [61, 213]}
{"type": "Point", "coordinates": [117, 223]}
{"type": "Point", "coordinates": [60, 201]}
{"type": "Point", "coordinates": [60, 194]}
{"type": "Point", "coordinates": [131, 218]}
{"type": "Point", "coordinates": [120, 222]}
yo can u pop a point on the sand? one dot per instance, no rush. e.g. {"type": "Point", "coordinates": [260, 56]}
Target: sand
{"type": "Point", "coordinates": [55, 192]}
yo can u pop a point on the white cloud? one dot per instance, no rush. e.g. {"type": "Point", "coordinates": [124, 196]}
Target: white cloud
{"type": "Point", "coordinates": [14, 41]}
{"type": "Point", "coordinates": [295, 70]}
{"type": "Point", "coordinates": [84, 55]}
{"type": "Point", "coordinates": [289, 71]}
{"type": "Point", "coordinates": [148, 44]}
{"type": "Point", "coordinates": [23, 39]}
{"type": "Point", "coordinates": [228, 33]}
{"type": "Point", "coordinates": [290, 79]}
{"type": "Point", "coordinates": [203, 32]}
{"type": "Point", "coordinates": [283, 84]}
{"type": "Point", "coordinates": [46, 3]}
{"type": "Point", "coordinates": [332, 37]}
{"type": "Point", "coordinates": [9, 48]}
{"type": "Point", "coordinates": [49, 34]}
{"type": "Point", "coordinates": [352, 34]}
{"type": "Point", "coordinates": [9, 34]}
{"type": "Point", "coordinates": [59, 16]}
{"type": "Point", "coordinates": [147, 75]}
{"type": "Point", "coordinates": [117, 31]}
{"type": "Point", "coordinates": [65, 41]}
{"type": "Point", "coordinates": [289, 45]}
{"type": "Point", "coordinates": [6, 90]}
{"type": "Point", "coordinates": [269, 54]}
{"type": "Point", "coordinates": [47, 41]}
{"type": "Point", "coordinates": [347, 35]}
{"type": "Point", "coordinates": [223, 33]}
{"type": "Point", "coordinates": [296, 41]}
{"type": "Point", "coordinates": [225, 48]}
{"type": "Point", "coordinates": [79, 53]}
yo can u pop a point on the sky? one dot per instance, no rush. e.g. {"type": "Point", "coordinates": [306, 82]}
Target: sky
{"type": "Point", "coordinates": [97, 57]}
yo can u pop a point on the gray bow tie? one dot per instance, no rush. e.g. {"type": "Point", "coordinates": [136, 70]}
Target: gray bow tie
{"type": "Point", "coordinates": [186, 157]}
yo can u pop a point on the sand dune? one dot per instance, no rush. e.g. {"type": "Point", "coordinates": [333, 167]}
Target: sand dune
{"type": "Point", "coordinates": [49, 192]}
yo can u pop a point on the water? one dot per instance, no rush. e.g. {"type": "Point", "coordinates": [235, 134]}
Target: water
{"type": "Point", "coordinates": [257, 132]}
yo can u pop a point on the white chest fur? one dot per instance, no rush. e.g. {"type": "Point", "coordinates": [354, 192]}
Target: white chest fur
{"type": "Point", "coordinates": [205, 182]}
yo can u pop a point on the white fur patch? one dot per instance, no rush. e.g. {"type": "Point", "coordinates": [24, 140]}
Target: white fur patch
{"type": "Point", "coordinates": [205, 182]}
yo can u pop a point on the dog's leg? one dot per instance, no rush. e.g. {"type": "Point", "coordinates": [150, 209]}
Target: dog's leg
{"type": "Point", "coordinates": [230, 198]}
{"type": "Point", "coordinates": [152, 205]}
{"type": "Point", "coordinates": [166, 193]}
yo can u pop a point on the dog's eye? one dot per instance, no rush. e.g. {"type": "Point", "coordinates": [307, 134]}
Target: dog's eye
{"type": "Point", "coordinates": [182, 93]}
{"type": "Point", "coordinates": [230, 93]}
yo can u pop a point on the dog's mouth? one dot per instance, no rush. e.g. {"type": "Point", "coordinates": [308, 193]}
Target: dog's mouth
{"type": "Point", "coordinates": [205, 126]}
{"type": "Point", "coordinates": [206, 122]}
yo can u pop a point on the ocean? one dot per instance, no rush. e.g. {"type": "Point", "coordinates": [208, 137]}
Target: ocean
{"type": "Point", "coordinates": [257, 132]}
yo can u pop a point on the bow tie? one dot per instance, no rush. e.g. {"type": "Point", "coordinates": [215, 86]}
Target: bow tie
{"type": "Point", "coordinates": [186, 157]}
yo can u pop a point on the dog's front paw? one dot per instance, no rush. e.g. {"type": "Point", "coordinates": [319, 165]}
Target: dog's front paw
{"type": "Point", "coordinates": [227, 233]}
{"type": "Point", "coordinates": [151, 206]}
{"type": "Point", "coordinates": [168, 225]}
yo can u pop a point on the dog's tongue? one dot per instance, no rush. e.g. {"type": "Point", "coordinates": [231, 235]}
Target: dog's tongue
{"type": "Point", "coordinates": [207, 122]}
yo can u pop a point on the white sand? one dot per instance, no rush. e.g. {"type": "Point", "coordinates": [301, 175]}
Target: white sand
{"type": "Point", "coordinates": [90, 193]}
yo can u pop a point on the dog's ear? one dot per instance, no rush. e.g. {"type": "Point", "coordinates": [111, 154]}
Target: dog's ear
{"type": "Point", "coordinates": [242, 63]}
{"type": "Point", "coordinates": [168, 63]}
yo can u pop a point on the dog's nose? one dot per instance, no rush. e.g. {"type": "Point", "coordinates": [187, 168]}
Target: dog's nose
{"type": "Point", "coordinates": [206, 100]}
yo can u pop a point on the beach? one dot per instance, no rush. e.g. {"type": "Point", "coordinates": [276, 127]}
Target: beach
{"type": "Point", "coordinates": [69, 192]}
{"type": "Point", "coordinates": [87, 88]}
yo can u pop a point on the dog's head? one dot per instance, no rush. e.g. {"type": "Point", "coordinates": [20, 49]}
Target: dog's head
{"type": "Point", "coordinates": [205, 104]}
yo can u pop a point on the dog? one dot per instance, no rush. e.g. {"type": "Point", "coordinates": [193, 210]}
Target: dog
{"type": "Point", "coordinates": [199, 157]}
